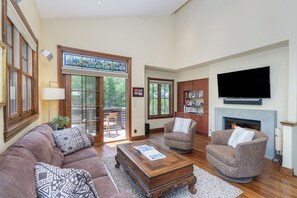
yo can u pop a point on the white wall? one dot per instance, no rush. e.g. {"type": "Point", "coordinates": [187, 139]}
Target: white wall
{"type": "Point", "coordinates": [149, 41]}
{"type": "Point", "coordinates": [277, 59]}
{"type": "Point", "coordinates": [209, 29]}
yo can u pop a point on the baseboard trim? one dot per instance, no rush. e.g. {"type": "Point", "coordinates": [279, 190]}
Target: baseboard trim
{"type": "Point", "coordinates": [157, 130]}
{"type": "Point", "coordinates": [287, 171]}
{"type": "Point", "coordinates": [140, 137]}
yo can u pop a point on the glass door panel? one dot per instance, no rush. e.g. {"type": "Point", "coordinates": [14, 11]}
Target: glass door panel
{"type": "Point", "coordinates": [85, 103]}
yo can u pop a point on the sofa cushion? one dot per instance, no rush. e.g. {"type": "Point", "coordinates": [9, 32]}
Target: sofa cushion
{"type": "Point", "coordinates": [181, 125]}
{"type": "Point", "coordinates": [240, 135]}
{"type": "Point", "coordinates": [47, 131]}
{"type": "Point", "coordinates": [93, 165]}
{"type": "Point", "coordinates": [52, 181]}
{"type": "Point", "coordinates": [105, 186]}
{"type": "Point", "coordinates": [181, 137]}
{"type": "Point", "coordinates": [17, 173]}
{"type": "Point", "coordinates": [57, 158]}
{"type": "Point", "coordinates": [80, 155]}
{"type": "Point", "coordinates": [71, 139]}
{"type": "Point", "coordinates": [223, 153]}
{"type": "Point", "coordinates": [38, 144]}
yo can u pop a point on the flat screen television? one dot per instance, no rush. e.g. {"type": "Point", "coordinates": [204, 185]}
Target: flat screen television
{"type": "Point", "coordinates": [251, 83]}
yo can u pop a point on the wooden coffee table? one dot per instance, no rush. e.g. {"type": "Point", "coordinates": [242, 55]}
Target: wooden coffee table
{"type": "Point", "coordinates": [160, 177]}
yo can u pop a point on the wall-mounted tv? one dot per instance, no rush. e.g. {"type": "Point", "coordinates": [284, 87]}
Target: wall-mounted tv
{"type": "Point", "coordinates": [251, 83]}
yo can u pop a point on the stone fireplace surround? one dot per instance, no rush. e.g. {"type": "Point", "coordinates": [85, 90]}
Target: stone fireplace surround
{"type": "Point", "coordinates": [266, 117]}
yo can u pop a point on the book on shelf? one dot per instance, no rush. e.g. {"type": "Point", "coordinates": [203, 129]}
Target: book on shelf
{"type": "Point", "coordinates": [150, 152]}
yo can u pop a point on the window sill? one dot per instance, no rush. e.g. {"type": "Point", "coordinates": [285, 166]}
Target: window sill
{"type": "Point", "coordinates": [160, 117]}
{"type": "Point", "coordinates": [19, 126]}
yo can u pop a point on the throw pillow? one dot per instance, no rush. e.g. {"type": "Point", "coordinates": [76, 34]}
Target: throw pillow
{"type": "Point", "coordinates": [240, 135]}
{"type": "Point", "coordinates": [52, 181]}
{"type": "Point", "coordinates": [181, 125]}
{"type": "Point", "coordinates": [71, 139]}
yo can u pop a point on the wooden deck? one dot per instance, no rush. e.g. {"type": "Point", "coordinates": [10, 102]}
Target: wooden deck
{"type": "Point", "coordinates": [271, 183]}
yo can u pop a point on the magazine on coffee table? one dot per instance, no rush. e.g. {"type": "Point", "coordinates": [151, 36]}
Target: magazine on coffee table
{"type": "Point", "coordinates": [150, 152]}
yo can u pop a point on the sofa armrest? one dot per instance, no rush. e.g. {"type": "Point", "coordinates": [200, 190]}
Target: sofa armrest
{"type": "Point", "coordinates": [168, 127]}
{"type": "Point", "coordinates": [122, 195]}
{"type": "Point", "coordinates": [251, 153]}
{"type": "Point", "coordinates": [52, 125]}
{"type": "Point", "coordinates": [221, 137]}
{"type": "Point", "coordinates": [91, 138]}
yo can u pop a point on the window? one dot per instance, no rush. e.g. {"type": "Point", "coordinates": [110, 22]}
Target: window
{"type": "Point", "coordinates": [160, 98]}
{"type": "Point", "coordinates": [22, 97]}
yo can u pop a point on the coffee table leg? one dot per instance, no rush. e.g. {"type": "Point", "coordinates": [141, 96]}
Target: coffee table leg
{"type": "Point", "coordinates": [191, 186]}
{"type": "Point", "coordinates": [117, 165]}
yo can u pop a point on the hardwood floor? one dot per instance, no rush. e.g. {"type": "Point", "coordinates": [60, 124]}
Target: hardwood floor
{"type": "Point", "coordinates": [271, 183]}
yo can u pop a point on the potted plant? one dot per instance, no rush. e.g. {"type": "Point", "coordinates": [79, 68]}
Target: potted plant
{"type": "Point", "coordinates": [61, 121]}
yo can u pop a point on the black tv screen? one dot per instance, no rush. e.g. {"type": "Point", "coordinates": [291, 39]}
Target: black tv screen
{"type": "Point", "coordinates": [251, 83]}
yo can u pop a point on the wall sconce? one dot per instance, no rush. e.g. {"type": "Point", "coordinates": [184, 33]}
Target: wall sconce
{"type": "Point", "coordinates": [47, 54]}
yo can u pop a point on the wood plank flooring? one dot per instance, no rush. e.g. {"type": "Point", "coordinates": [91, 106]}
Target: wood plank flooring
{"type": "Point", "coordinates": [271, 183]}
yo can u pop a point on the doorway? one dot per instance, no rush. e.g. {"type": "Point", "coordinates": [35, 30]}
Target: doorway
{"type": "Point", "coordinates": [83, 74]}
{"type": "Point", "coordinates": [114, 109]}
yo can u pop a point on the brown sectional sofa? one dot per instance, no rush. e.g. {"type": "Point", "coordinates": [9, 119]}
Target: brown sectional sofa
{"type": "Point", "coordinates": [17, 165]}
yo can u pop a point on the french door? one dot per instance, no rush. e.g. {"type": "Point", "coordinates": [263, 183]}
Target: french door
{"type": "Point", "coordinates": [85, 103]}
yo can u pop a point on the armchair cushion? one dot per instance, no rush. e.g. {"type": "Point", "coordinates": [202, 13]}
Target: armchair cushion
{"type": "Point", "coordinates": [225, 154]}
{"type": "Point", "coordinates": [240, 135]}
{"type": "Point", "coordinates": [180, 137]}
{"type": "Point", "coordinates": [181, 125]}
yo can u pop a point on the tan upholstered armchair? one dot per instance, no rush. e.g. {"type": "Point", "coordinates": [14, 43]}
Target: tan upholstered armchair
{"type": "Point", "coordinates": [238, 164]}
{"type": "Point", "coordinates": [179, 140]}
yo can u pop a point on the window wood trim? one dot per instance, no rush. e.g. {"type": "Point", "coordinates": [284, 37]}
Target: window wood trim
{"type": "Point", "coordinates": [14, 126]}
{"type": "Point", "coordinates": [171, 99]}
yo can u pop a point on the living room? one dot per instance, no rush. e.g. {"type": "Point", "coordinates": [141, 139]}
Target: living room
{"type": "Point", "coordinates": [201, 40]}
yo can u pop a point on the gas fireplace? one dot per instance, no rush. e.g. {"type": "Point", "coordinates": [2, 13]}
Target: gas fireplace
{"type": "Point", "coordinates": [231, 123]}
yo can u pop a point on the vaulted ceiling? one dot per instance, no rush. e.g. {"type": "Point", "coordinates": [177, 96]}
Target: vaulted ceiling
{"type": "Point", "coordinates": [107, 8]}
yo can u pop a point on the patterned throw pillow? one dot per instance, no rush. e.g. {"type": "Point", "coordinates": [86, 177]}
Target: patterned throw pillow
{"type": "Point", "coordinates": [71, 139]}
{"type": "Point", "coordinates": [52, 181]}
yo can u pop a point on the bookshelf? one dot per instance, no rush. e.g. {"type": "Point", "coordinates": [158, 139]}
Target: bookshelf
{"type": "Point", "coordinates": [192, 102]}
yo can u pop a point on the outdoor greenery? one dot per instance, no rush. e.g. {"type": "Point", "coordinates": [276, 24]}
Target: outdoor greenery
{"type": "Point", "coordinates": [159, 93]}
{"type": "Point", "coordinates": [114, 92]}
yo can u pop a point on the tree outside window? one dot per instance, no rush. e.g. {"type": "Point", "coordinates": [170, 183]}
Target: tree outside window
{"type": "Point", "coordinates": [160, 98]}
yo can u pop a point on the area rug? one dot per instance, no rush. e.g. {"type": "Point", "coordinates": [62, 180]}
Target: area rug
{"type": "Point", "coordinates": [208, 186]}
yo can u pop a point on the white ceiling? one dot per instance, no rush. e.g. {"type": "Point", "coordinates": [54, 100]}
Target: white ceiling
{"type": "Point", "coordinates": [91, 8]}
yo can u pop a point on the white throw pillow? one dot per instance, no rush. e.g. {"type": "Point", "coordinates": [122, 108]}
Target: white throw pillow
{"type": "Point", "coordinates": [181, 125]}
{"type": "Point", "coordinates": [240, 135]}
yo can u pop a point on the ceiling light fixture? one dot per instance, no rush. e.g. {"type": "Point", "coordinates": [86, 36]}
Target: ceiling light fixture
{"type": "Point", "coordinates": [99, 2]}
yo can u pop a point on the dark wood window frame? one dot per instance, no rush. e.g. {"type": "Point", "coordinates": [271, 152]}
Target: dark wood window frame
{"type": "Point", "coordinates": [62, 81]}
{"type": "Point", "coordinates": [171, 99]}
{"type": "Point", "coordinates": [16, 123]}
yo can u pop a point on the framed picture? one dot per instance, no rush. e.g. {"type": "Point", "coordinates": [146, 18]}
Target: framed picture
{"type": "Point", "coordinates": [138, 92]}
{"type": "Point", "coordinates": [2, 73]}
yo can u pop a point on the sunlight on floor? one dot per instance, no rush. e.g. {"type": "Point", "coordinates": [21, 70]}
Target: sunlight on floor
{"type": "Point", "coordinates": [113, 136]}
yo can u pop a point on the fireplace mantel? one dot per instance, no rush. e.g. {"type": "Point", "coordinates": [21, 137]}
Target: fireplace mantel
{"type": "Point", "coordinates": [266, 117]}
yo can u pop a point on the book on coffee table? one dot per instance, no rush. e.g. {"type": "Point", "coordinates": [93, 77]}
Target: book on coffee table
{"type": "Point", "coordinates": [150, 152]}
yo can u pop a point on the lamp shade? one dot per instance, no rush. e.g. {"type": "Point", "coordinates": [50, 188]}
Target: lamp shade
{"type": "Point", "coordinates": [53, 94]}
